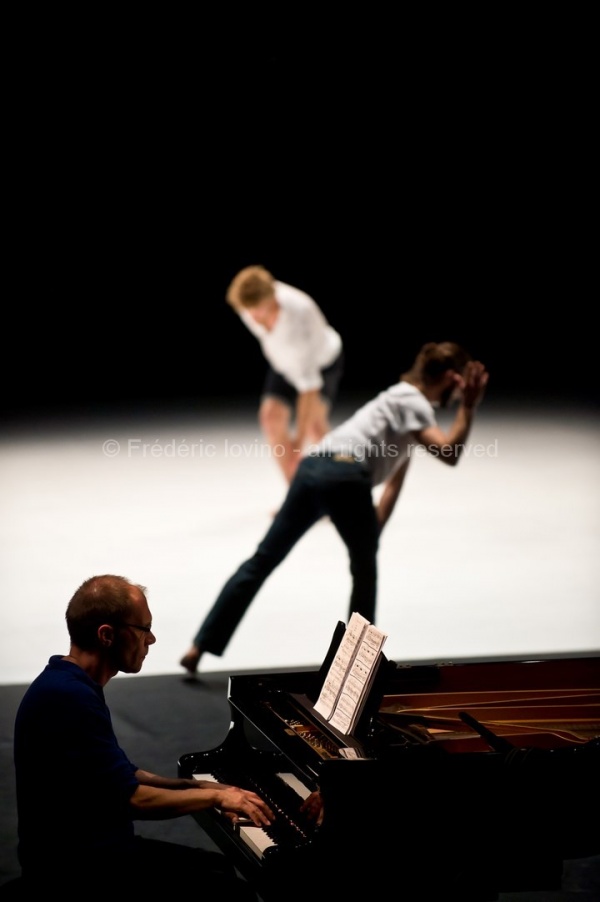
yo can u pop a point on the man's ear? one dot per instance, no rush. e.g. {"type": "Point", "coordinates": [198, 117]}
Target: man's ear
{"type": "Point", "coordinates": [106, 635]}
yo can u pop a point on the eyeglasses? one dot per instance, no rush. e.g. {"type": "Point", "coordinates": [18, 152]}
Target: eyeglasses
{"type": "Point", "coordinates": [138, 626]}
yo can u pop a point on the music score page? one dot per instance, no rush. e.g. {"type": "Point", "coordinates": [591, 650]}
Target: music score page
{"type": "Point", "coordinates": [351, 674]}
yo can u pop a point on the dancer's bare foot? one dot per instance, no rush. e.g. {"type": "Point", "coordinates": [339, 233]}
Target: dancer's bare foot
{"type": "Point", "coordinates": [191, 659]}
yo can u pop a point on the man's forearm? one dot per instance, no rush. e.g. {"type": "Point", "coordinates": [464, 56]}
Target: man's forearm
{"type": "Point", "coordinates": [390, 493]}
{"type": "Point", "coordinates": [459, 431]}
{"type": "Point", "coordinates": [163, 803]}
{"type": "Point", "coordinates": [145, 778]}
{"type": "Point", "coordinates": [307, 409]}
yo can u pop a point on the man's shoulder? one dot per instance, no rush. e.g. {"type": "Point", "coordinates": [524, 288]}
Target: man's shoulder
{"type": "Point", "coordinates": [292, 298]}
{"type": "Point", "coordinates": [407, 397]}
{"type": "Point", "coordinates": [404, 391]}
{"type": "Point", "coordinates": [55, 690]}
{"type": "Point", "coordinates": [60, 677]}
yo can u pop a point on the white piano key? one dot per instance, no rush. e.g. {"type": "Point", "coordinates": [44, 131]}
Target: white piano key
{"type": "Point", "coordinates": [256, 839]}
{"type": "Point", "coordinates": [294, 783]}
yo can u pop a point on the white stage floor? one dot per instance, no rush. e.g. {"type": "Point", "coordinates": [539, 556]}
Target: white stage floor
{"type": "Point", "coordinates": [496, 558]}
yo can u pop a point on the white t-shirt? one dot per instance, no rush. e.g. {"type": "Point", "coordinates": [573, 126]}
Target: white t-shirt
{"type": "Point", "coordinates": [301, 343]}
{"type": "Point", "coordinates": [380, 433]}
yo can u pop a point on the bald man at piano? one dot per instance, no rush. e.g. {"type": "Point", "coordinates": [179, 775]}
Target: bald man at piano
{"type": "Point", "coordinates": [76, 817]}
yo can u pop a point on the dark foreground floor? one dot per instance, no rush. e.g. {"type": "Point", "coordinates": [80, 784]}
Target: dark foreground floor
{"type": "Point", "coordinates": [160, 718]}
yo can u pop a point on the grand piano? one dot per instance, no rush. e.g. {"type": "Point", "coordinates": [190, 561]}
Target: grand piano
{"type": "Point", "coordinates": [460, 781]}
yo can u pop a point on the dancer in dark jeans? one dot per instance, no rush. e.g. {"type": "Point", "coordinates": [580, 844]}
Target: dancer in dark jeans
{"type": "Point", "coordinates": [336, 477]}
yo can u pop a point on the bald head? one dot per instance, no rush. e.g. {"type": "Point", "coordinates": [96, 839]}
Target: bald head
{"type": "Point", "coordinates": [100, 599]}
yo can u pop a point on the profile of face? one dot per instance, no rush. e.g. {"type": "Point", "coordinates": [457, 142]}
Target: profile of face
{"type": "Point", "coordinates": [134, 638]}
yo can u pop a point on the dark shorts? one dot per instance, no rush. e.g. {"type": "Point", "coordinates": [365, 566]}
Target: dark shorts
{"type": "Point", "coordinates": [276, 386]}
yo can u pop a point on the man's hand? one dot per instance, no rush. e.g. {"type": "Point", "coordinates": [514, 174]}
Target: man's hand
{"type": "Point", "coordinates": [475, 379]}
{"type": "Point", "coordinates": [312, 807]}
{"type": "Point", "coordinates": [242, 804]}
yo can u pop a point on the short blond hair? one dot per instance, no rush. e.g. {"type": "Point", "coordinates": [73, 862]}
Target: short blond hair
{"type": "Point", "coordinates": [250, 286]}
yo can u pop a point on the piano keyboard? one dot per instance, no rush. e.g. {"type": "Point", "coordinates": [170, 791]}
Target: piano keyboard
{"type": "Point", "coordinates": [284, 831]}
{"type": "Point", "coordinates": [256, 839]}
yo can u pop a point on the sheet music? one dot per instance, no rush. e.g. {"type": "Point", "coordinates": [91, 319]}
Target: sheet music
{"type": "Point", "coordinates": [351, 674]}
{"type": "Point", "coordinates": [340, 665]}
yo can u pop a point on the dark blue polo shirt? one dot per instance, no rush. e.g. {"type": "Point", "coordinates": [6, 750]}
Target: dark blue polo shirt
{"type": "Point", "coordinates": [73, 780]}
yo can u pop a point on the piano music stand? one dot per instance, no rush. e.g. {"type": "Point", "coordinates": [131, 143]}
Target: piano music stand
{"type": "Point", "coordinates": [364, 726]}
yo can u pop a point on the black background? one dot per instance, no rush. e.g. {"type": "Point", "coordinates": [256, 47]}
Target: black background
{"type": "Point", "coordinates": [417, 189]}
